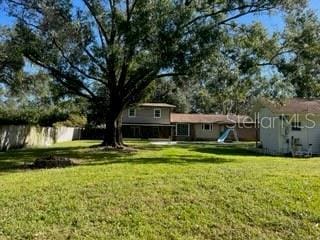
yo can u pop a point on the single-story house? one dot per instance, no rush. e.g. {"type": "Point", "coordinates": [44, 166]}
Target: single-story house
{"type": "Point", "coordinates": [212, 126]}
{"type": "Point", "coordinates": [290, 127]}
{"type": "Point", "coordinates": [157, 120]}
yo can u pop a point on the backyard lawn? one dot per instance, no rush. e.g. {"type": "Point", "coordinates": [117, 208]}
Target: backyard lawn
{"type": "Point", "coordinates": [185, 191]}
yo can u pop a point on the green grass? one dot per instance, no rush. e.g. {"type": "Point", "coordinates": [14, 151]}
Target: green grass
{"type": "Point", "coordinates": [198, 191]}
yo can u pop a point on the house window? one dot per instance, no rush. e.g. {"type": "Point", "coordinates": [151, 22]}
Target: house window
{"type": "Point", "coordinates": [183, 130]}
{"type": "Point", "coordinates": [296, 126]}
{"type": "Point", "coordinates": [131, 112]}
{"type": "Point", "coordinates": [157, 113]}
{"type": "Point", "coordinates": [207, 127]}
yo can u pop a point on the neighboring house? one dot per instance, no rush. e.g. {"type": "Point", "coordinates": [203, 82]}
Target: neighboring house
{"type": "Point", "coordinates": [156, 120]}
{"type": "Point", "coordinates": [211, 126]}
{"type": "Point", "coordinates": [147, 120]}
{"type": "Point", "coordinates": [293, 126]}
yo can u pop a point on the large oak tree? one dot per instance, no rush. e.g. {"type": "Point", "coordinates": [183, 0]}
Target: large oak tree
{"type": "Point", "coordinates": [109, 51]}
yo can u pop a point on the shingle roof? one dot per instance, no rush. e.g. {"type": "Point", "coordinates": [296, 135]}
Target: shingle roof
{"type": "Point", "coordinates": [209, 118]}
{"type": "Point", "coordinates": [294, 105]}
{"type": "Point", "coordinates": [156, 105]}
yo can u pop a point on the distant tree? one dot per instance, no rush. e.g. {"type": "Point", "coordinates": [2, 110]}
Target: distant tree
{"type": "Point", "coordinates": [300, 61]}
{"type": "Point", "coordinates": [11, 61]}
{"type": "Point", "coordinates": [291, 58]}
{"type": "Point", "coordinates": [165, 90]}
{"type": "Point", "coordinates": [110, 51]}
{"type": "Point", "coordinates": [254, 64]}
{"type": "Point", "coordinates": [35, 99]}
{"type": "Point", "coordinates": [229, 78]}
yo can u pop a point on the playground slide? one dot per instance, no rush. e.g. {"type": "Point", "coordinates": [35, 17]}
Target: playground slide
{"type": "Point", "coordinates": [224, 136]}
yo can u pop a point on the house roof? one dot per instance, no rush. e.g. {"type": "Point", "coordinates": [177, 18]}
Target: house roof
{"type": "Point", "coordinates": [165, 105]}
{"type": "Point", "coordinates": [209, 118]}
{"type": "Point", "coordinates": [293, 106]}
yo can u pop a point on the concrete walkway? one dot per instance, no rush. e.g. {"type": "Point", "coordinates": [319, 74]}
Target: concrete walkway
{"type": "Point", "coordinates": [163, 142]}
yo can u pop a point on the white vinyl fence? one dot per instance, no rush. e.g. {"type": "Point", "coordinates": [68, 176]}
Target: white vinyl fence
{"type": "Point", "coordinates": [12, 136]}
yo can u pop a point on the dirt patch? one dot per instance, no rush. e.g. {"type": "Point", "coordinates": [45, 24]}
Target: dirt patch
{"type": "Point", "coordinates": [54, 162]}
{"type": "Point", "coordinates": [163, 143]}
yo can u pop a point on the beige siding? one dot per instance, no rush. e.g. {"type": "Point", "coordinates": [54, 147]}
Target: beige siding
{"type": "Point", "coordinates": [247, 132]}
{"type": "Point", "coordinates": [146, 115]}
{"type": "Point", "coordinates": [206, 134]}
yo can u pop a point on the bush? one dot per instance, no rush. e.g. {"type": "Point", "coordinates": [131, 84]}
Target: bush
{"type": "Point", "coordinates": [18, 117]}
{"type": "Point", "coordinates": [73, 120]}
{"type": "Point", "coordinates": [42, 117]}
{"type": "Point", "coordinates": [50, 118]}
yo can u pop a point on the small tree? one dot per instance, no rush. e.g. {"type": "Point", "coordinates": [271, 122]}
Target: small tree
{"type": "Point", "coordinates": [110, 51]}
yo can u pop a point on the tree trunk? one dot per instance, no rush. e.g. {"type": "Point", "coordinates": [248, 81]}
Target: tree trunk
{"type": "Point", "coordinates": [119, 132]}
{"type": "Point", "coordinates": [113, 133]}
{"type": "Point", "coordinates": [110, 136]}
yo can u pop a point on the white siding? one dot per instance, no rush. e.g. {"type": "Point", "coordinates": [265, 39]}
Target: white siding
{"type": "Point", "coordinates": [278, 137]}
{"type": "Point", "coordinates": [312, 135]}
{"type": "Point", "coordinates": [269, 131]}
{"type": "Point", "coordinates": [306, 135]}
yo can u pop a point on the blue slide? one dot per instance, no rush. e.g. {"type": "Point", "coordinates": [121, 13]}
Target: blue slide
{"type": "Point", "coordinates": [224, 136]}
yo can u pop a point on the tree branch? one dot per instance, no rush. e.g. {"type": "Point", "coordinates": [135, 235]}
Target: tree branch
{"type": "Point", "coordinates": [130, 10]}
{"type": "Point", "coordinates": [169, 75]}
{"type": "Point", "coordinates": [242, 14]}
{"type": "Point", "coordinates": [74, 66]}
{"type": "Point", "coordinates": [251, 8]}
{"type": "Point", "coordinates": [98, 22]}
{"type": "Point", "coordinates": [59, 75]}
{"type": "Point", "coordinates": [94, 60]}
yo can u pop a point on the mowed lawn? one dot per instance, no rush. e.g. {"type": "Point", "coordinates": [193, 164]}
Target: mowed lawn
{"type": "Point", "coordinates": [187, 191]}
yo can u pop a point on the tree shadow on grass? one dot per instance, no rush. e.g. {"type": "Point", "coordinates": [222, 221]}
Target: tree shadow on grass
{"type": "Point", "coordinates": [162, 160]}
{"type": "Point", "coordinates": [227, 151]}
{"type": "Point", "coordinates": [20, 159]}
{"type": "Point", "coordinates": [175, 158]}
{"type": "Point", "coordinates": [17, 159]}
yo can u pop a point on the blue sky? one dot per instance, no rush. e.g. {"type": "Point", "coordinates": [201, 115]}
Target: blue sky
{"type": "Point", "coordinates": [273, 22]}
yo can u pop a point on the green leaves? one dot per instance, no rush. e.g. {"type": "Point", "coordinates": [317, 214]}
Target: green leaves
{"type": "Point", "coordinates": [301, 66]}
{"type": "Point", "coordinates": [109, 52]}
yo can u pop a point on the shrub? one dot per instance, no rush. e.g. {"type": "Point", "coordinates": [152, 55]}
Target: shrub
{"type": "Point", "coordinates": [73, 120]}
{"type": "Point", "coordinates": [40, 116]}
{"type": "Point", "coordinates": [18, 117]}
{"type": "Point", "coordinates": [52, 117]}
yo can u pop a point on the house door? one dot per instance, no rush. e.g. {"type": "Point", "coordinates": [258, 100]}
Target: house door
{"type": "Point", "coordinates": [136, 132]}
{"type": "Point", "coordinates": [155, 132]}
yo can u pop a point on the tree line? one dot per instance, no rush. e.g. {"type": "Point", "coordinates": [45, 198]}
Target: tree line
{"type": "Point", "coordinates": [195, 54]}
